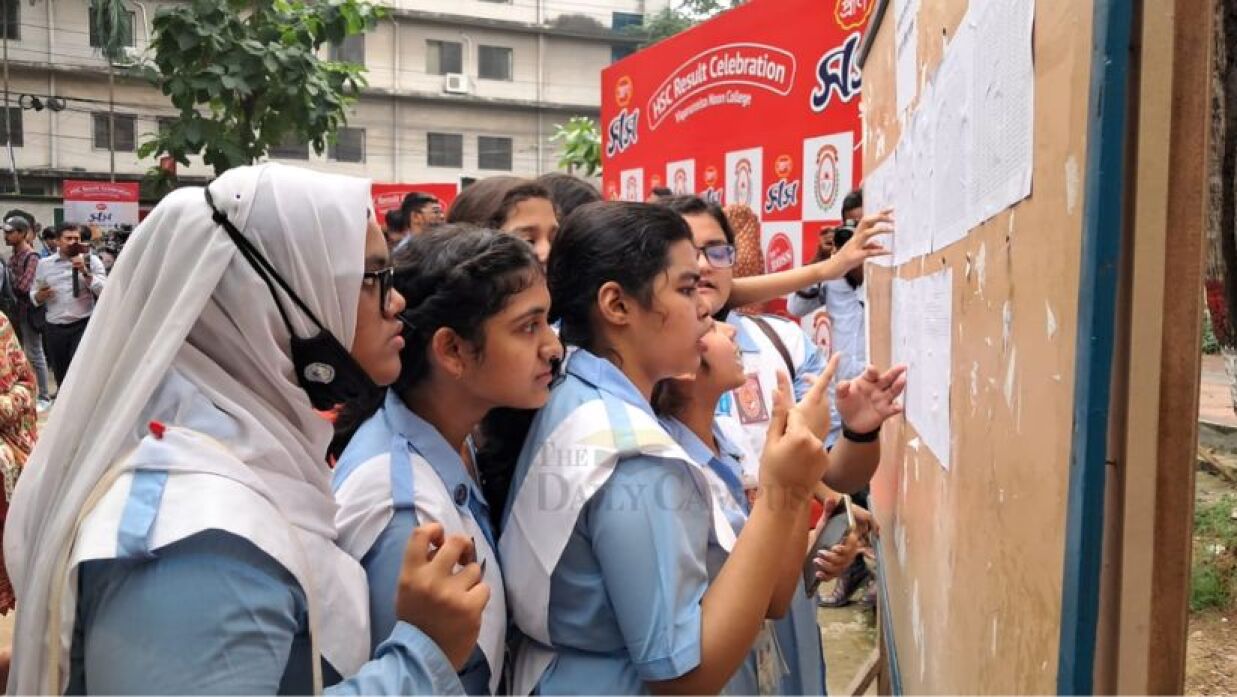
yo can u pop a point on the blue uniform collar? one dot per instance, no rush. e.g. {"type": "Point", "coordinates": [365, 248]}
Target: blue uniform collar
{"type": "Point", "coordinates": [746, 343]}
{"type": "Point", "coordinates": [430, 445]}
{"type": "Point", "coordinates": [697, 449]}
{"type": "Point", "coordinates": [605, 376]}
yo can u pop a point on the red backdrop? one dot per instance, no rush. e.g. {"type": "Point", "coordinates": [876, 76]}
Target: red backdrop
{"type": "Point", "coordinates": [759, 105]}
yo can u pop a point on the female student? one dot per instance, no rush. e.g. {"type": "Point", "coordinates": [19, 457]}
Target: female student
{"type": "Point", "coordinates": [521, 207]}
{"type": "Point", "coordinates": [175, 529]}
{"type": "Point", "coordinates": [718, 444]}
{"type": "Point", "coordinates": [608, 532]}
{"type": "Point", "coordinates": [477, 338]}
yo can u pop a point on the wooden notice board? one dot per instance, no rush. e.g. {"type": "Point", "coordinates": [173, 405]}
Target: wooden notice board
{"type": "Point", "coordinates": [990, 562]}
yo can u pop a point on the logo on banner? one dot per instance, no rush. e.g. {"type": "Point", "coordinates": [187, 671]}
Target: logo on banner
{"type": "Point", "coordinates": [754, 65]}
{"type": "Point", "coordinates": [679, 186]}
{"type": "Point", "coordinates": [784, 193]}
{"type": "Point", "coordinates": [780, 256]}
{"type": "Point", "coordinates": [712, 192]}
{"type": "Point", "coordinates": [632, 189]}
{"type": "Point", "coordinates": [743, 182]}
{"type": "Point", "coordinates": [837, 72]}
{"type": "Point", "coordinates": [827, 176]}
{"type": "Point", "coordinates": [851, 14]}
{"type": "Point", "coordinates": [624, 131]}
{"type": "Point", "coordinates": [623, 91]}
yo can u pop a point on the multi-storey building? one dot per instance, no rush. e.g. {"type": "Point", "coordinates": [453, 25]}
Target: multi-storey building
{"type": "Point", "coordinates": [457, 88]}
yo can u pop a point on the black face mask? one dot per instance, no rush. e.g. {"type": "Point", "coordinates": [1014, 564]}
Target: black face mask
{"type": "Point", "coordinates": [324, 368]}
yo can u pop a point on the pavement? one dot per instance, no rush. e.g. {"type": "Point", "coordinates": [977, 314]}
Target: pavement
{"type": "Point", "coordinates": [1214, 403]}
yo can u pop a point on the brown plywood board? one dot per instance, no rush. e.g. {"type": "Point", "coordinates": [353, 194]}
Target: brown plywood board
{"type": "Point", "coordinates": [973, 555]}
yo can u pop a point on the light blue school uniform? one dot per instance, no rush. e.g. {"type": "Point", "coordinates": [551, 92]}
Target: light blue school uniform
{"type": "Point", "coordinates": [215, 614]}
{"type": "Point", "coordinates": [624, 595]}
{"type": "Point", "coordinates": [388, 440]}
{"type": "Point", "coordinates": [798, 634]}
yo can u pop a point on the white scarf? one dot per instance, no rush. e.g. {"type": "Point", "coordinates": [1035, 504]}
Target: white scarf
{"type": "Point", "coordinates": [181, 302]}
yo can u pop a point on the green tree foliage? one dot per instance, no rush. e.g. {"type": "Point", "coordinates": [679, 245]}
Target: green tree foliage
{"type": "Point", "coordinates": [581, 144]}
{"type": "Point", "coordinates": [246, 75]}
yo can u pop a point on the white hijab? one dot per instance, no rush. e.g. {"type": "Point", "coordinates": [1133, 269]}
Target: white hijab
{"type": "Point", "coordinates": [187, 332]}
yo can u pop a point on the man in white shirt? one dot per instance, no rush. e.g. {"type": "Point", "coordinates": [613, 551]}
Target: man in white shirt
{"type": "Point", "coordinates": [69, 283]}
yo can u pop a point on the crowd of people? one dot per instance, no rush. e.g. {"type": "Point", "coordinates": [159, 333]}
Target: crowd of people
{"type": "Point", "coordinates": [525, 444]}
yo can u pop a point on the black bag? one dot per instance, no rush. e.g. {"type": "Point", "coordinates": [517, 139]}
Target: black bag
{"type": "Point", "coordinates": [36, 317]}
{"type": "Point", "coordinates": [8, 299]}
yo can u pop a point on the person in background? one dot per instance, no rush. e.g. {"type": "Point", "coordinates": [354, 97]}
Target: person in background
{"type": "Point", "coordinates": [852, 207]}
{"type": "Point", "coordinates": [23, 264]}
{"type": "Point", "coordinates": [69, 283]}
{"type": "Point", "coordinates": [659, 192]}
{"type": "Point", "coordinates": [18, 431]}
{"type": "Point", "coordinates": [520, 207]}
{"type": "Point", "coordinates": [108, 256]}
{"type": "Point", "coordinates": [843, 300]}
{"type": "Point", "coordinates": [568, 192]}
{"type": "Point", "coordinates": [48, 237]}
{"type": "Point", "coordinates": [396, 228]}
{"type": "Point", "coordinates": [421, 212]}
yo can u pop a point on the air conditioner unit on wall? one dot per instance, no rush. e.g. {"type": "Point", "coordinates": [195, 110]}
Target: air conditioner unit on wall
{"type": "Point", "coordinates": [456, 83]}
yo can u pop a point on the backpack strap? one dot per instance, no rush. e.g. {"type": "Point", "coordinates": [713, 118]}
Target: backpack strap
{"type": "Point", "coordinates": [778, 344]}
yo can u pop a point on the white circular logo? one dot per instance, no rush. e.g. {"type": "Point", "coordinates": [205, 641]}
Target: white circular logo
{"type": "Point", "coordinates": [320, 373]}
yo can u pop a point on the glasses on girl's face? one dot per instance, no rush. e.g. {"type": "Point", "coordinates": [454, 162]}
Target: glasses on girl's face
{"type": "Point", "coordinates": [384, 279]}
{"type": "Point", "coordinates": [719, 256]}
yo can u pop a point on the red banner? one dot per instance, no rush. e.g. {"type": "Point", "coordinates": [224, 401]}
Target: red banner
{"type": "Point", "coordinates": [759, 106]}
{"type": "Point", "coordinates": [388, 196]}
{"type": "Point", "coordinates": [79, 190]}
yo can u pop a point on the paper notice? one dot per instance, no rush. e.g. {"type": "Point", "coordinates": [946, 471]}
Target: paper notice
{"type": "Point", "coordinates": [950, 115]}
{"type": "Point", "coordinates": [922, 329]}
{"type": "Point", "coordinates": [906, 28]}
{"type": "Point", "coordinates": [877, 196]}
{"type": "Point", "coordinates": [1003, 96]}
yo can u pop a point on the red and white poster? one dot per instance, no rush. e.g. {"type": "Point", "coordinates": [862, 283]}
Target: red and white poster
{"type": "Point", "coordinates": [759, 106]}
{"type": "Point", "coordinates": [105, 204]}
{"type": "Point", "coordinates": [390, 196]}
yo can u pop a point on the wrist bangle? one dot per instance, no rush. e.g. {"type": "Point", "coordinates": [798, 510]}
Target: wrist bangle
{"type": "Point", "coordinates": [808, 294]}
{"type": "Point", "coordinates": [869, 437]}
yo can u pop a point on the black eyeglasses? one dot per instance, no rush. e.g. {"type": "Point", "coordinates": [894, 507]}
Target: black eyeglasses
{"type": "Point", "coordinates": [385, 278]}
{"type": "Point", "coordinates": [719, 256]}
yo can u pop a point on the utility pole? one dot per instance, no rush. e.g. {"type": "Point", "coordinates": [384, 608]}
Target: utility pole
{"type": "Point", "coordinates": [8, 124]}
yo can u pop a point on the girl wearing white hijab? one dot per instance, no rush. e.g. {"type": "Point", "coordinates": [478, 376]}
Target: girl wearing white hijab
{"type": "Point", "coordinates": [174, 531]}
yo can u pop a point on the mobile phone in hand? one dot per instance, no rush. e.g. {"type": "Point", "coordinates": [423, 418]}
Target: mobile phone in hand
{"type": "Point", "coordinates": [829, 533]}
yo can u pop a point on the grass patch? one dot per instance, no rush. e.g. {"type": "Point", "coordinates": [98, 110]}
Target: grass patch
{"type": "Point", "coordinates": [1213, 578]}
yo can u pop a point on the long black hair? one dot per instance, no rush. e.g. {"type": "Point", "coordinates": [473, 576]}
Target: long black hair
{"type": "Point", "coordinates": [454, 276]}
{"type": "Point", "coordinates": [627, 243]}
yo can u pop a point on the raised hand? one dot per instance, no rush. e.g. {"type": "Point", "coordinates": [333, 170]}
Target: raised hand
{"type": "Point", "coordinates": [860, 247]}
{"type": "Point", "coordinates": [865, 402]}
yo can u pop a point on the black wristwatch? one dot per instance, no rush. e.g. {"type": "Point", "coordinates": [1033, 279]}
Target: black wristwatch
{"type": "Point", "coordinates": [869, 437]}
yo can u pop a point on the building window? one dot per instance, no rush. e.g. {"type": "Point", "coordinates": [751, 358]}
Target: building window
{"type": "Point", "coordinates": [290, 148]}
{"type": "Point", "coordinates": [352, 50]}
{"type": "Point", "coordinates": [165, 123]}
{"type": "Point", "coordinates": [494, 63]}
{"type": "Point", "coordinates": [10, 19]}
{"type": "Point", "coordinates": [349, 145]}
{"type": "Point", "coordinates": [446, 150]}
{"type": "Point", "coordinates": [13, 126]}
{"type": "Point", "coordinates": [125, 135]}
{"type": "Point", "coordinates": [494, 153]}
{"type": "Point", "coordinates": [620, 51]}
{"type": "Point", "coordinates": [621, 20]}
{"type": "Point", "coordinates": [442, 57]}
{"type": "Point", "coordinates": [126, 29]}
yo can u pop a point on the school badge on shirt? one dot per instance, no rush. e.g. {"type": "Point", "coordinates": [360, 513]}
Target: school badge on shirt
{"type": "Point", "coordinates": [750, 399]}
